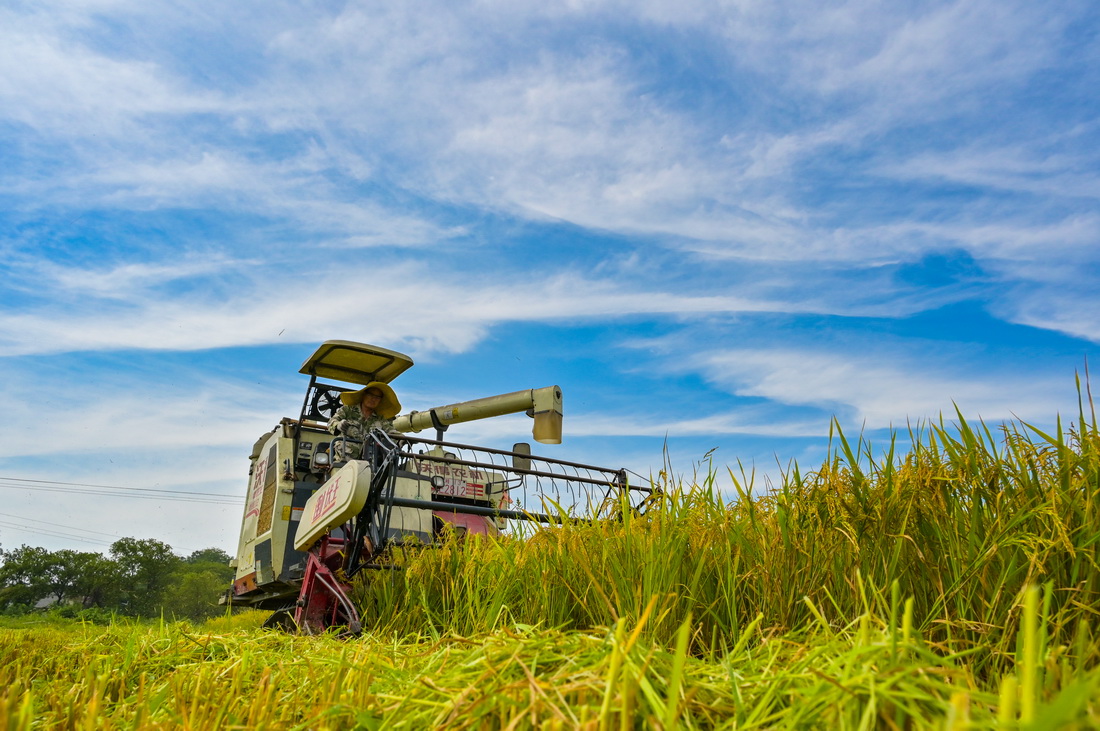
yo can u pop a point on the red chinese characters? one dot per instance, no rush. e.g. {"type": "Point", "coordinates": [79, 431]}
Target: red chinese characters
{"type": "Point", "coordinates": [255, 498]}
{"type": "Point", "coordinates": [458, 481]}
{"type": "Point", "coordinates": [326, 500]}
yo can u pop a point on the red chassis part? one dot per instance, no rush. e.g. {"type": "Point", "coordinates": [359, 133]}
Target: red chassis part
{"type": "Point", "coordinates": [323, 601]}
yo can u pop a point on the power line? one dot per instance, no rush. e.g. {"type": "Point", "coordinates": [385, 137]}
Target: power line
{"type": "Point", "coordinates": [53, 534]}
{"type": "Point", "coordinates": [59, 525]}
{"type": "Point", "coordinates": [66, 536]}
{"type": "Point", "coordinates": [113, 491]}
{"type": "Point", "coordinates": [115, 487]}
{"type": "Point", "coordinates": [53, 531]}
{"type": "Point", "coordinates": [167, 498]}
{"type": "Point", "coordinates": [145, 493]}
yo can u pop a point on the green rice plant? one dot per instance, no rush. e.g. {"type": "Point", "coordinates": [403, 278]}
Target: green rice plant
{"type": "Point", "coordinates": [946, 538]}
{"type": "Point", "coordinates": [954, 585]}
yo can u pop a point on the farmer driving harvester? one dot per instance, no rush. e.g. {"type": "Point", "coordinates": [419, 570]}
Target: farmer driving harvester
{"type": "Point", "coordinates": [371, 407]}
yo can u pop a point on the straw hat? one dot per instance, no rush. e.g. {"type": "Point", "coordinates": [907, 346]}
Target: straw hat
{"type": "Point", "coordinates": [388, 407]}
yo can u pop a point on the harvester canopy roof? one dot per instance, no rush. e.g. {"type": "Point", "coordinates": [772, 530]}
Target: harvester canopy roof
{"type": "Point", "coordinates": [344, 360]}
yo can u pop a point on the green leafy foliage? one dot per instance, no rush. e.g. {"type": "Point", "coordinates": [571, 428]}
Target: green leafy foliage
{"type": "Point", "coordinates": [146, 569]}
{"type": "Point", "coordinates": [24, 576]}
{"type": "Point", "coordinates": [140, 577]}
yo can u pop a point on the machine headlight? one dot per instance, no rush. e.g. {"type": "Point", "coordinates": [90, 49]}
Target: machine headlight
{"type": "Point", "coordinates": [321, 461]}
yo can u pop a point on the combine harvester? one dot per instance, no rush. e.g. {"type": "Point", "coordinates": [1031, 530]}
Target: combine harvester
{"type": "Point", "coordinates": [311, 523]}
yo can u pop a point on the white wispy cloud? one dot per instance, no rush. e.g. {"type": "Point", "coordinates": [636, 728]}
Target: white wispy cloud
{"type": "Point", "coordinates": [880, 387]}
{"type": "Point", "coordinates": [1045, 169]}
{"type": "Point", "coordinates": [178, 431]}
{"type": "Point", "coordinates": [84, 412]}
{"type": "Point", "coordinates": [945, 51]}
{"type": "Point", "coordinates": [125, 281]}
{"type": "Point", "coordinates": [657, 424]}
{"type": "Point", "coordinates": [55, 85]}
{"type": "Point", "coordinates": [577, 132]}
{"type": "Point", "coordinates": [251, 307]}
{"type": "Point", "coordinates": [1068, 310]}
{"type": "Point", "coordinates": [557, 132]}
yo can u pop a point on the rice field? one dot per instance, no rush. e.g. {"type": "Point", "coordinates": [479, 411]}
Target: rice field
{"type": "Point", "coordinates": [955, 585]}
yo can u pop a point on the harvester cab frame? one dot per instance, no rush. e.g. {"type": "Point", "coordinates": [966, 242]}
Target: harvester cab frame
{"type": "Point", "coordinates": [344, 360]}
{"type": "Point", "coordinates": [311, 523]}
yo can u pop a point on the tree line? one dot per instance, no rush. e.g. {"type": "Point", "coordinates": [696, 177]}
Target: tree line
{"type": "Point", "coordinates": [137, 577]}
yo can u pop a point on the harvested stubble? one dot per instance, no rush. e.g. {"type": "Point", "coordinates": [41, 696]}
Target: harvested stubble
{"type": "Point", "coordinates": [863, 676]}
{"type": "Point", "coordinates": [955, 587]}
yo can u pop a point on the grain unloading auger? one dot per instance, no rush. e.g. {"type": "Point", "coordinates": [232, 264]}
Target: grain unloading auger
{"type": "Point", "coordinates": [311, 523]}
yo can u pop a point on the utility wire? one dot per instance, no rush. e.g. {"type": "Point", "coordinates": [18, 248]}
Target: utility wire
{"type": "Point", "coordinates": [53, 534]}
{"type": "Point", "coordinates": [57, 534]}
{"type": "Point", "coordinates": [166, 498]}
{"type": "Point", "coordinates": [54, 525]}
{"type": "Point", "coordinates": [115, 487]}
{"type": "Point", "coordinates": [145, 493]}
{"type": "Point", "coordinates": [115, 491]}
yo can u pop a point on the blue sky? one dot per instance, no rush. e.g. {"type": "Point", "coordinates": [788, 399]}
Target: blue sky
{"type": "Point", "coordinates": [716, 227]}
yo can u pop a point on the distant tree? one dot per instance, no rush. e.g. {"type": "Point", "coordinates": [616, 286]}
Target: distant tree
{"type": "Point", "coordinates": [141, 576]}
{"type": "Point", "coordinates": [146, 569]}
{"type": "Point", "coordinates": [24, 575]}
{"type": "Point", "coordinates": [210, 555]}
{"type": "Point", "coordinates": [69, 573]}
{"type": "Point", "coordinates": [194, 591]}
{"type": "Point", "coordinates": [198, 582]}
{"type": "Point", "coordinates": [100, 583]}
